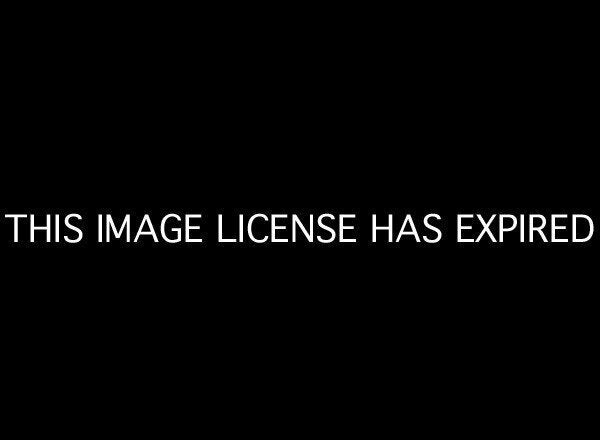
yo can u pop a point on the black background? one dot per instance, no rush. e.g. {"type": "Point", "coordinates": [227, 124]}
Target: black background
{"type": "Point", "coordinates": [381, 113]}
